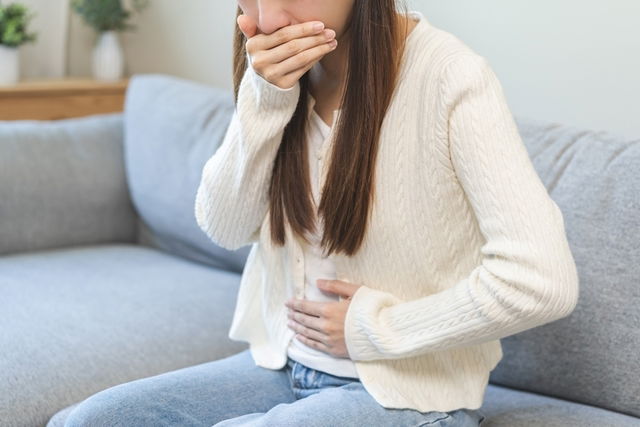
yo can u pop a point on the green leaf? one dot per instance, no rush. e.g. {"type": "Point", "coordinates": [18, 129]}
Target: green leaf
{"type": "Point", "coordinates": [106, 15]}
{"type": "Point", "coordinates": [14, 20]}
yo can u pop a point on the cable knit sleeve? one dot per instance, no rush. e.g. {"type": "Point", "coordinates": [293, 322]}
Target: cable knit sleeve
{"type": "Point", "coordinates": [232, 197]}
{"type": "Point", "coordinates": [527, 276]}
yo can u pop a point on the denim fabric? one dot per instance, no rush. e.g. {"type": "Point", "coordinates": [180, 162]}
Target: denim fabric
{"type": "Point", "coordinates": [233, 391]}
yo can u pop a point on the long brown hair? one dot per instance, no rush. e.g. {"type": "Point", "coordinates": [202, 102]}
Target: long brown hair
{"type": "Point", "coordinates": [373, 60]}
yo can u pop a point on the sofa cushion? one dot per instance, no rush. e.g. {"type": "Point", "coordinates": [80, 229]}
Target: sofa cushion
{"type": "Point", "coordinates": [591, 355]}
{"type": "Point", "coordinates": [172, 127]}
{"type": "Point", "coordinates": [78, 320]}
{"type": "Point", "coordinates": [62, 183]}
{"type": "Point", "coordinates": [506, 407]}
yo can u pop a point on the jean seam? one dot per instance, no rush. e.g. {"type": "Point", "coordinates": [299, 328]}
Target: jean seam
{"type": "Point", "coordinates": [293, 376]}
{"type": "Point", "coordinates": [433, 421]}
{"type": "Point", "coordinates": [314, 380]}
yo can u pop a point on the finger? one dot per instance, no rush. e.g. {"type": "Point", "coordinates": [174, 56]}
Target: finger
{"type": "Point", "coordinates": [247, 25]}
{"type": "Point", "coordinates": [285, 34]}
{"type": "Point", "coordinates": [313, 343]}
{"type": "Point", "coordinates": [291, 78]}
{"type": "Point", "coordinates": [308, 332]}
{"type": "Point", "coordinates": [312, 322]}
{"type": "Point", "coordinates": [293, 47]}
{"type": "Point", "coordinates": [307, 306]}
{"type": "Point", "coordinates": [338, 287]}
{"type": "Point", "coordinates": [303, 59]}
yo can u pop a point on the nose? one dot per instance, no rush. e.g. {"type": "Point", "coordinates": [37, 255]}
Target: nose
{"type": "Point", "coordinates": [271, 16]}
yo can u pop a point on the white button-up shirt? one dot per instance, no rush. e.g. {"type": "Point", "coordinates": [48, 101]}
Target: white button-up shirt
{"type": "Point", "coordinates": [317, 266]}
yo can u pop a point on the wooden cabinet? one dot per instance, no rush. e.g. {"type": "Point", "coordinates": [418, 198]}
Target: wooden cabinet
{"type": "Point", "coordinates": [61, 98]}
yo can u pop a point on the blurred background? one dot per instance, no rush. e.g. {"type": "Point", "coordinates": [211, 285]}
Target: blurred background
{"type": "Point", "coordinates": [574, 61]}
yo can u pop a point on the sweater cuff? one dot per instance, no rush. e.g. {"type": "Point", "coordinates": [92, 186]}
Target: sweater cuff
{"type": "Point", "coordinates": [376, 319]}
{"type": "Point", "coordinates": [268, 95]}
{"type": "Point", "coordinates": [364, 316]}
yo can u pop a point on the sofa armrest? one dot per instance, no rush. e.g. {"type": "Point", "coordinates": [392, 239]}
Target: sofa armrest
{"type": "Point", "coordinates": [62, 183]}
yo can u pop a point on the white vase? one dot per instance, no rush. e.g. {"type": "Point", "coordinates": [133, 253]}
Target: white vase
{"type": "Point", "coordinates": [9, 65]}
{"type": "Point", "coordinates": [108, 58]}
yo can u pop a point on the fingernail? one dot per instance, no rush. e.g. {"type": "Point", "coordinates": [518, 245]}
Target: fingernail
{"type": "Point", "coordinates": [318, 26]}
{"type": "Point", "coordinates": [329, 33]}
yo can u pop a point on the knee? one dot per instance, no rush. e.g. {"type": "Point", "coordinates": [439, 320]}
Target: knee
{"type": "Point", "coordinates": [105, 408]}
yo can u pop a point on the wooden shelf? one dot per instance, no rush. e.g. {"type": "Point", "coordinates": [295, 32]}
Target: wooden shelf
{"type": "Point", "coordinates": [53, 99]}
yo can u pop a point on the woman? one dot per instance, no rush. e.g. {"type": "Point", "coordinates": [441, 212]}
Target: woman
{"type": "Point", "coordinates": [399, 230]}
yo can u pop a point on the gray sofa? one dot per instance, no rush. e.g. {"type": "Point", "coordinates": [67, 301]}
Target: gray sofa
{"type": "Point", "coordinates": [106, 278]}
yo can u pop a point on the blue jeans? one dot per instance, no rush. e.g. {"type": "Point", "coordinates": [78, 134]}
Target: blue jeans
{"type": "Point", "coordinates": [233, 391]}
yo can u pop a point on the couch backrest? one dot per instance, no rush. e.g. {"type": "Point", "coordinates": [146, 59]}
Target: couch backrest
{"type": "Point", "coordinates": [591, 356]}
{"type": "Point", "coordinates": [172, 127]}
{"type": "Point", "coordinates": [62, 183]}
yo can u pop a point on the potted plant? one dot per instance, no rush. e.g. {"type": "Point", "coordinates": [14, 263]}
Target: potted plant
{"type": "Point", "coordinates": [14, 19]}
{"type": "Point", "coordinates": [107, 18]}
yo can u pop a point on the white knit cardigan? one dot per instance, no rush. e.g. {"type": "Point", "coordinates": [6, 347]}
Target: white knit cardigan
{"type": "Point", "coordinates": [464, 245]}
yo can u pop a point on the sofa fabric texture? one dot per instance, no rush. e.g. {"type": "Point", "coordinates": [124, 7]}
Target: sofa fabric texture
{"type": "Point", "coordinates": [62, 183]}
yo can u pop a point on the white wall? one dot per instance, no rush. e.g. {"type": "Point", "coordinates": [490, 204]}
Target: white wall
{"type": "Point", "coordinates": [571, 61]}
{"type": "Point", "coordinates": [45, 57]}
{"type": "Point", "coordinates": [192, 40]}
